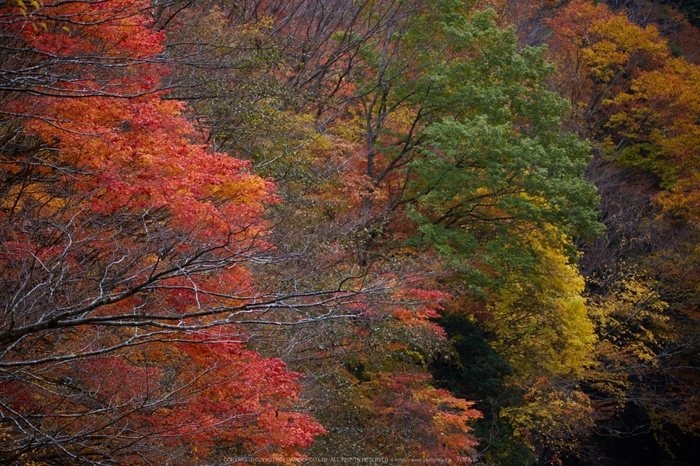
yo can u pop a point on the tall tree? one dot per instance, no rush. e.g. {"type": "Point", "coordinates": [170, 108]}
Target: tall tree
{"type": "Point", "coordinates": [123, 247]}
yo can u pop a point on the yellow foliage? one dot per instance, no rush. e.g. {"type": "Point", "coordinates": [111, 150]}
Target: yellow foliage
{"type": "Point", "coordinates": [557, 416]}
{"type": "Point", "coordinates": [543, 329]}
{"type": "Point", "coordinates": [630, 321]}
{"type": "Point", "coordinates": [541, 319]}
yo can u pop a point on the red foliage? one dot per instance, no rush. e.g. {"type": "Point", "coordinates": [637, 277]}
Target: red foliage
{"type": "Point", "coordinates": [436, 422]}
{"type": "Point", "coordinates": [121, 244]}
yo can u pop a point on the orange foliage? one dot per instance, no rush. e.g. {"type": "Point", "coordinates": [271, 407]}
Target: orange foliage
{"type": "Point", "coordinates": [598, 53]}
{"type": "Point", "coordinates": [438, 421]}
{"type": "Point", "coordinates": [628, 90]}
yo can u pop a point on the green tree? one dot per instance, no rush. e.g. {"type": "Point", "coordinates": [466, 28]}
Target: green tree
{"type": "Point", "coordinates": [496, 165]}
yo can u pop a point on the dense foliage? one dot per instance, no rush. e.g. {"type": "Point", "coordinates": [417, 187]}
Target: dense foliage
{"type": "Point", "coordinates": [385, 230]}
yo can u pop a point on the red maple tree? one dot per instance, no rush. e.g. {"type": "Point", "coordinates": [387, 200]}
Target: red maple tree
{"type": "Point", "coordinates": [122, 258]}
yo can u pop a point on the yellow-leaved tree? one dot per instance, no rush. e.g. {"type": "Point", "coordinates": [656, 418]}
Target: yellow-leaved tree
{"type": "Point", "coordinates": [542, 328]}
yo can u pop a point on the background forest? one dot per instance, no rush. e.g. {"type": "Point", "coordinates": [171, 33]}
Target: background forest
{"type": "Point", "coordinates": [411, 230]}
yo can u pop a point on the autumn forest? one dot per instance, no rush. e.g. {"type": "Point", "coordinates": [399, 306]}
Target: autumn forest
{"type": "Point", "coordinates": [349, 231]}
